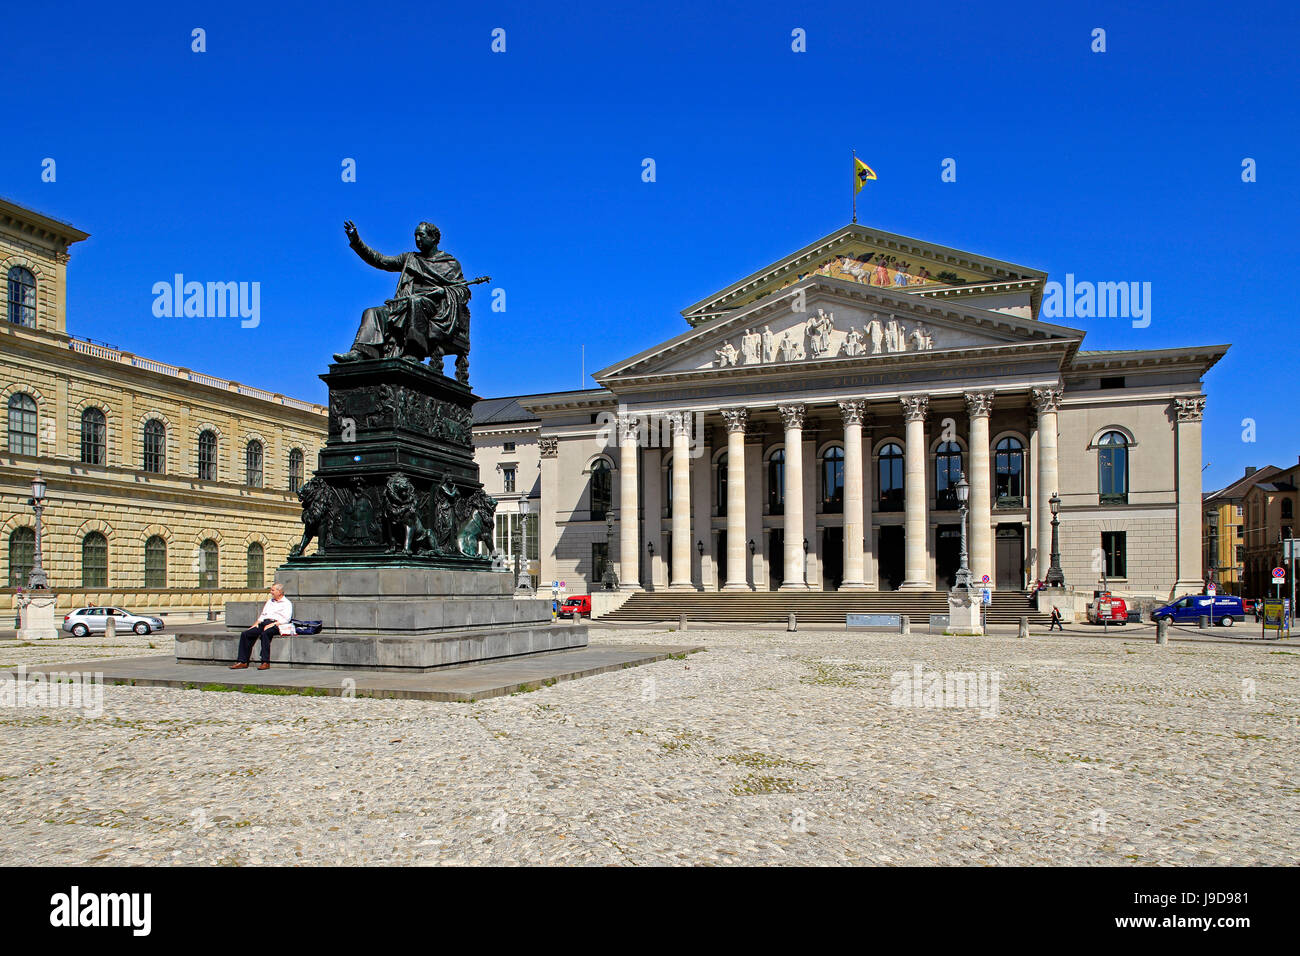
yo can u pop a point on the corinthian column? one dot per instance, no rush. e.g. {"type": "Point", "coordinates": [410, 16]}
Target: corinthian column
{"type": "Point", "coordinates": [629, 539]}
{"type": "Point", "coordinates": [736, 420]}
{"type": "Point", "coordinates": [680, 575]}
{"type": "Point", "coordinates": [916, 575]}
{"type": "Point", "coordinates": [1047, 402]}
{"type": "Point", "coordinates": [853, 412]}
{"type": "Point", "coordinates": [794, 554]}
{"type": "Point", "coordinates": [980, 407]}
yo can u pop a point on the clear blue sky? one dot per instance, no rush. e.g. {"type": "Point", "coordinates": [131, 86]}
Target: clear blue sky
{"type": "Point", "coordinates": [225, 165]}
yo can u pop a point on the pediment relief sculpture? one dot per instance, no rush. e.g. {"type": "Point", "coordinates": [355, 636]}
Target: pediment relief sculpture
{"type": "Point", "coordinates": [820, 338]}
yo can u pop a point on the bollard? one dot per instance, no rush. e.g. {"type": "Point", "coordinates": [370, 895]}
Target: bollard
{"type": "Point", "coordinates": [681, 621]}
{"type": "Point", "coordinates": [905, 625]}
{"type": "Point", "coordinates": [1024, 627]}
{"type": "Point", "coordinates": [1205, 622]}
{"type": "Point", "coordinates": [1162, 631]}
{"type": "Point", "coordinates": [110, 626]}
{"type": "Point", "coordinates": [792, 623]}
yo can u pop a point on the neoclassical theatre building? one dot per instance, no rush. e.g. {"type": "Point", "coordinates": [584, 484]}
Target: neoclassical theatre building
{"type": "Point", "coordinates": [809, 428]}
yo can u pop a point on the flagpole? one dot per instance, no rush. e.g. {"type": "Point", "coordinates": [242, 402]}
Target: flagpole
{"type": "Point", "coordinates": [855, 185]}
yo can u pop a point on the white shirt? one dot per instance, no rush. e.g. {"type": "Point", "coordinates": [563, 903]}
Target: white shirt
{"type": "Point", "coordinates": [281, 611]}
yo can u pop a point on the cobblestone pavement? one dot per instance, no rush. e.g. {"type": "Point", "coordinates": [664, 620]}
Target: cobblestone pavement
{"type": "Point", "coordinates": [767, 748]}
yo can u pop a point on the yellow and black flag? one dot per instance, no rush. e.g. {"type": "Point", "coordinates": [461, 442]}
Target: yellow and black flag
{"type": "Point", "coordinates": [861, 173]}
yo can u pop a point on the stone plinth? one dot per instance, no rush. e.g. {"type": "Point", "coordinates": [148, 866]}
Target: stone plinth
{"type": "Point", "coordinates": [36, 615]}
{"type": "Point", "coordinates": [964, 611]}
{"type": "Point", "coordinates": [395, 619]}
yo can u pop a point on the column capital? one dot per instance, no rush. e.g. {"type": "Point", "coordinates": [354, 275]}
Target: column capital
{"type": "Point", "coordinates": [629, 429]}
{"type": "Point", "coordinates": [736, 419]}
{"type": "Point", "coordinates": [854, 411]}
{"type": "Point", "coordinates": [1191, 408]}
{"type": "Point", "coordinates": [1046, 399]}
{"type": "Point", "coordinates": [680, 423]}
{"type": "Point", "coordinates": [979, 404]}
{"type": "Point", "coordinates": [548, 445]}
{"type": "Point", "coordinates": [793, 414]}
{"type": "Point", "coordinates": [915, 407]}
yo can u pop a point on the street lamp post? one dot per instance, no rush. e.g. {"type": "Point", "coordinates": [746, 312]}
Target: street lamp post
{"type": "Point", "coordinates": [610, 580]}
{"type": "Point", "coordinates": [1055, 576]}
{"type": "Point", "coordinates": [1212, 520]}
{"type": "Point", "coordinates": [524, 580]}
{"type": "Point", "coordinates": [37, 581]}
{"type": "Point", "coordinates": [963, 497]}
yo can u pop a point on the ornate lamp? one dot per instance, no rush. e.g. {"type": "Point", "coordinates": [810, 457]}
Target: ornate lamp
{"type": "Point", "coordinates": [963, 498]}
{"type": "Point", "coordinates": [37, 580]}
{"type": "Point", "coordinates": [524, 580]}
{"type": "Point", "coordinates": [609, 581]}
{"type": "Point", "coordinates": [1055, 576]}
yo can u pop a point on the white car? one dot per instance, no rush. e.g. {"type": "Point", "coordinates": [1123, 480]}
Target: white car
{"type": "Point", "coordinates": [85, 620]}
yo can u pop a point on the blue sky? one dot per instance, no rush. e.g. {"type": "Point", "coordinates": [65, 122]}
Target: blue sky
{"type": "Point", "coordinates": [225, 166]}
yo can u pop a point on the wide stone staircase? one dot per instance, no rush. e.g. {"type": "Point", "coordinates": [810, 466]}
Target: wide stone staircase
{"type": "Point", "coordinates": [811, 607]}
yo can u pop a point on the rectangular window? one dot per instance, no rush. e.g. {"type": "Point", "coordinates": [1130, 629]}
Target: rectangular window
{"type": "Point", "coordinates": [508, 476]}
{"type": "Point", "coordinates": [599, 558]}
{"type": "Point", "coordinates": [509, 446]}
{"type": "Point", "coordinates": [1115, 381]}
{"type": "Point", "coordinates": [1115, 549]}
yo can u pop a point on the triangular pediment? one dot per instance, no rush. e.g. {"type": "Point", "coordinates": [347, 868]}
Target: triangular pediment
{"type": "Point", "coordinates": [823, 321]}
{"type": "Point", "coordinates": [873, 258]}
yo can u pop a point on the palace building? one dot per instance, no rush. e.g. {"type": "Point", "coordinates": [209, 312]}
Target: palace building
{"type": "Point", "coordinates": [806, 431]}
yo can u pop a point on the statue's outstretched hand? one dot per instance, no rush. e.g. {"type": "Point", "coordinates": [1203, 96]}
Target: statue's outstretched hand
{"type": "Point", "coordinates": [350, 228]}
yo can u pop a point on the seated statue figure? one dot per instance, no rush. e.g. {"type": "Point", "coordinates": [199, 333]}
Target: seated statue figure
{"type": "Point", "coordinates": [428, 316]}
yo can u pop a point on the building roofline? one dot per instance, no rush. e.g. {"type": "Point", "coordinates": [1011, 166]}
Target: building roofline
{"type": "Point", "coordinates": [65, 232]}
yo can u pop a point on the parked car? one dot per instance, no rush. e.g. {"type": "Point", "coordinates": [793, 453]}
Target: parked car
{"type": "Point", "coordinates": [85, 620]}
{"type": "Point", "coordinates": [1223, 610]}
{"type": "Point", "coordinates": [1248, 605]}
{"type": "Point", "coordinates": [579, 605]}
{"type": "Point", "coordinates": [1108, 610]}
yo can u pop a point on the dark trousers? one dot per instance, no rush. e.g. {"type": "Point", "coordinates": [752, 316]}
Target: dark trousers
{"type": "Point", "coordinates": [265, 629]}
{"type": "Point", "coordinates": [1056, 623]}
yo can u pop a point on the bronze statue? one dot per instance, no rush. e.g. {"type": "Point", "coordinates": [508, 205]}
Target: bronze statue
{"type": "Point", "coordinates": [428, 316]}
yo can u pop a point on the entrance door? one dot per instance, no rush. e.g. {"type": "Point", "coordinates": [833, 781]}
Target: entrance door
{"type": "Point", "coordinates": [776, 557]}
{"type": "Point", "coordinates": [832, 558]}
{"type": "Point", "coordinates": [947, 554]}
{"type": "Point", "coordinates": [1010, 557]}
{"type": "Point", "coordinates": [889, 557]}
{"type": "Point", "coordinates": [720, 562]}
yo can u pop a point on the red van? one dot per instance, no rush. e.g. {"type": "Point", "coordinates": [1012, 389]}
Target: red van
{"type": "Point", "coordinates": [578, 605]}
{"type": "Point", "coordinates": [1107, 609]}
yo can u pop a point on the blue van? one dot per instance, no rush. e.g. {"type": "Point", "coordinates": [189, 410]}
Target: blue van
{"type": "Point", "coordinates": [1224, 610]}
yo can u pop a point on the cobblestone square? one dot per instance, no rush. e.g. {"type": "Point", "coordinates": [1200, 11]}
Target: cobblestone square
{"type": "Point", "coordinates": [766, 748]}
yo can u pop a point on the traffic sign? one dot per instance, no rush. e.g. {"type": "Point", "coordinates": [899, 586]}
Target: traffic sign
{"type": "Point", "coordinates": [1211, 590]}
{"type": "Point", "coordinates": [986, 596]}
{"type": "Point", "coordinates": [1279, 573]}
{"type": "Point", "coordinates": [984, 579]}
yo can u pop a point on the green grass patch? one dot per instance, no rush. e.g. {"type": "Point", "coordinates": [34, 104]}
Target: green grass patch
{"type": "Point", "coordinates": [273, 691]}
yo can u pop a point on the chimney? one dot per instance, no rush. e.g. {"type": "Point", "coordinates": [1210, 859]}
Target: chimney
{"type": "Point", "coordinates": [1250, 470]}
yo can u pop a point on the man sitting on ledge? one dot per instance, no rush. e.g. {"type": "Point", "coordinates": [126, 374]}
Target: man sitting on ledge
{"type": "Point", "coordinates": [274, 619]}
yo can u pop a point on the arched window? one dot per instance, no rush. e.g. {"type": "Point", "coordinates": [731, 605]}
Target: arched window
{"type": "Point", "coordinates": [94, 561]}
{"type": "Point", "coordinates": [207, 456]}
{"type": "Point", "coordinates": [208, 568]}
{"type": "Point", "coordinates": [256, 560]}
{"type": "Point", "coordinates": [833, 480]}
{"type": "Point", "coordinates": [154, 448]}
{"type": "Point", "coordinates": [295, 470]}
{"type": "Point", "coordinates": [22, 424]}
{"type": "Point", "coordinates": [93, 428]}
{"type": "Point", "coordinates": [947, 472]}
{"type": "Point", "coordinates": [891, 478]}
{"type": "Point", "coordinates": [22, 555]}
{"type": "Point", "coordinates": [1009, 473]}
{"type": "Point", "coordinates": [22, 297]}
{"type": "Point", "coordinates": [720, 485]}
{"type": "Point", "coordinates": [776, 482]}
{"type": "Point", "coordinates": [1112, 464]}
{"type": "Point", "coordinates": [253, 464]}
{"type": "Point", "coordinates": [155, 562]}
{"type": "Point", "coordinates": [602, 489]}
